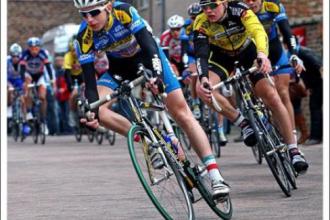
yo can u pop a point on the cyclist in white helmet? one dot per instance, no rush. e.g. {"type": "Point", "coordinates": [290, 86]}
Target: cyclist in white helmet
{"type": "Point", "coordinates": [15, 81]}
{"type": "Point", "coordinates": [171, 42]}
{"type": "Point", "coordinates": [127, 43]}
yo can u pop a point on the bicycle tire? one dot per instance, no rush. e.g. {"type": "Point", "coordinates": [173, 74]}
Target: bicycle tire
{"type": "Point", "coordinates": [273, 160]}
{"type": "Point", "coordinates": [15, 131]}
{"type": "Point", "coordinates": [111, 136]}
{"type": "Point", "coordinates": [179, 205]}
{"type": "Point", "coordinates": [78, 131]}
{"type": "Point", "coordinates": [289, 169]}
{"type": "Point", "coordinates": [99, 138]}
{"type": "Point", "coordinates": [189, 153]}
{"type": "Point", "coordinates": [215, 134]}
{"type": "Point", "coordinates": [90, 135]}
{"type": "Point", "coordinates": [181, 135]}
{"type": "Point", "coordinates": [257, 153]}
{"type": "Point", "coordinates": [35, 133]}
{"type": "Point", "coordinates": [223, 208]}
{"type": "Point", "coordinates": [42, 133]}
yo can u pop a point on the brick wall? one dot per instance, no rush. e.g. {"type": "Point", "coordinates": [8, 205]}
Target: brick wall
{"type": "Point", "coordinates": [28, 18]}
{"type": "Point", "coordinates": [308, 14]}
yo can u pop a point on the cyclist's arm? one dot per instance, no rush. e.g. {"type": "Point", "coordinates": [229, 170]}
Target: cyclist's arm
{"type": "Point", "coordinates": [256, 30]}
{"type": "Point", "coordinates": [150, 49]}
{"type": "Point", "coordinates": [202, 48]}
{"type": "Point", "coordinates": [49, 71]}
{"type": "Point", "coordinates": [285, 29]}
{"type": "Point", "coordinates": [22, 69]}
{"type": "Point", "coordinates": [68, 80]}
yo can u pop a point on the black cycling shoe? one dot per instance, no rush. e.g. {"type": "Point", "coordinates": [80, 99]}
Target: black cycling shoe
{"type": "Point", "coordinates": [248, 136]}
{"type": "Point", "coordinates": [298, 162]}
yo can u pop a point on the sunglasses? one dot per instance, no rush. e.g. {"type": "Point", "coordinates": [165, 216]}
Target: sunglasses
{"type": "Point", "coordinates": [212, 6]}
{"type": "Point", "coordinates": [175, 29]}
{"type": "Point", "coordinates": [94, 12]}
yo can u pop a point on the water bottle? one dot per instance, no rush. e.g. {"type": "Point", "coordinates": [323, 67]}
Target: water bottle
{"type": "Point", "coordinates": [264, 120]}
{"type": "Point", "coordinates": [169, 140]}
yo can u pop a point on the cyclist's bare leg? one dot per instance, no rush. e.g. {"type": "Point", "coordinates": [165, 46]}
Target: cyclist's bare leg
{"type": "Point", "coordinates": [181, 113]}
{"type": "Point", "coordinates": [192, 69]}
{"type": "Point", "coordinates": [282, 85]}
{"type": "Point", "coordinates": [111, 119]}
{"type": "Point", "coordinates": [273, 101]}
{"type": "Point", "coordinates": [175, 69]}
{"type": "Point", "coordinates": [178, 108]}
{"type": "Point", "coordinates": [42, 92]}
{"type": "Point", "coordinates": [227, 109]}
{"type": "Point", "coordinates": [72, 100]}
{"type": "Point", "coordinates": [28, 93]}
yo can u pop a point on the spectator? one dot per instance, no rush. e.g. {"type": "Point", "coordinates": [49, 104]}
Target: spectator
{"type": "Point", "coordinates": [62, 95]}
{"type": "Point", "coordinates": [312, 78]}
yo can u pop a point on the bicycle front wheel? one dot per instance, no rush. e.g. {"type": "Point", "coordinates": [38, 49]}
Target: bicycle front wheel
{"type": "Point", "coordinates": [270, 153]}
{"type": "Point", "coordinates": [111, 136]}
{"type": "Point", "coordinates": [164, 186]}
{"type": "Point", "coordinates": [257, 153]}
{"type": "Point", "coordinates": [99, 137]}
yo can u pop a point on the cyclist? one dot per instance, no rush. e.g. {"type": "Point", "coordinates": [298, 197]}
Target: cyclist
{"type": "Point", "coordinates": [15, 80]}
{"type": "Point", "coordinates": [72, 69]}
{"type": "Point", "coordinates": [227, 32]}
{"type": "Point", "coordinates": [170, 39]}
{"type": "Point", "coordinates": [313, 80]}
{"type": "Point", "coordinates": [193, 10]}
{"type": "Point", "coordinates": [187, 42]}
{"type": "Point", "coordinates": [32, 62]}
{"type": "Point", "coordinates": [117, 29]}
{"type": "Point", "coordinates": [271, 14]}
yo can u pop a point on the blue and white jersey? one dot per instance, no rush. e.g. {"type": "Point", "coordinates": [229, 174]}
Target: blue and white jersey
{"type": "Point", "coordinates": [34, 64]}
{"type": "Point", "coordinates": [12, 71]}
{"type": "Point", "coordinates": [116, 39]}
{"type": "Point", "coordinates": [272, 11]}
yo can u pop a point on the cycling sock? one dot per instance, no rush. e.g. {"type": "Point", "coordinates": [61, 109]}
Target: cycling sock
{"type": "Point", "coordinates": [293, 149]}
{"type": "Point", "coordinates": [240, 121]}
{"type": "Point", "coordinates": [295, 135]}
{"type": "Point", "coordinates": [212, 168]}
{"type": "Point", "coordinates": [220, 129]}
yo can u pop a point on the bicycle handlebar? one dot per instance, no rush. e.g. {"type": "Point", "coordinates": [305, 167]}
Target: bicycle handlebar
{"type": "Point", "coordinates": [235, 77]}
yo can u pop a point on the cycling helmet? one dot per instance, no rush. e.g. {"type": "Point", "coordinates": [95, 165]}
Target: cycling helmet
{"type": "Point", "coordinates": [175, 21]}
{"type": "Point", "coordinates": [15, 49]}
{"type": "Point", "coordinates": [194, 9]}
{"type": "Point", "coordinates": [206, 2]}
{"type": "Point", "coordinates": [87, 3]}
{"type": "Point", "coordinates": [34, 42]}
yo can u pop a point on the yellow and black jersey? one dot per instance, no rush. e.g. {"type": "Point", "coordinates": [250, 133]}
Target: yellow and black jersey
{"type": "Point", "coordinates": [71, 63]}
{"type": "Point", "coordinates": [239, 25]}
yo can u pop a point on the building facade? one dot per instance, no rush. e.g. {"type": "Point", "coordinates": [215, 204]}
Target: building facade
{"type": "Point", "coordinates": [34, 17]}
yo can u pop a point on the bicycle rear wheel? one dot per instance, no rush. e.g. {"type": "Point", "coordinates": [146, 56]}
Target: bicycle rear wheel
{"type": "Point", "coordinates": [270, 153]}
{"type": "Point", "coordinates": [165, 186]}
{"type": "Point", "coordinates": [284, 155]}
